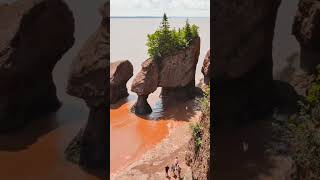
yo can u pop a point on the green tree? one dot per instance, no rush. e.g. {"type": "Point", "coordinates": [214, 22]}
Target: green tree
{"type": "Point", "coordinates": [188, 32]}
{"type": "Point", "coordinates": [194, 31]}
{"type": "Point", "coordinates": [165, 26]}
{"type": "Point", "coordinates": [165, 41]}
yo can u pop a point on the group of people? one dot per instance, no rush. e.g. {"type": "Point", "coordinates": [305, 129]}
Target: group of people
{"type": "Point", "coordinates": [175, 169]}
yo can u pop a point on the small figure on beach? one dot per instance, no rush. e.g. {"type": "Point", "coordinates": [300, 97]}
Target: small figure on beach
{"type": "Point", "coordinates": [178, 169]}
{"type": "Point", "coordinates": [175, 169]}
{"type": "Point", "coordinates": [167, 170]}
{"type": "Point", "coordinates": [176, 162]}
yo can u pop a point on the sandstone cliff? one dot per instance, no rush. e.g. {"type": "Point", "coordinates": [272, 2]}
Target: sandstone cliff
{"type": "Point", "coordinates": [206, 68]}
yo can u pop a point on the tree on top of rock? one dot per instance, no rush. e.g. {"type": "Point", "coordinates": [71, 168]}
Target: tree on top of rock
{"type": "Point", "coordinates": [188, 33]}
{"type": "Point", "coordinates": [165, 27]}
{"type": "Point", "coordinates": [165, 41]}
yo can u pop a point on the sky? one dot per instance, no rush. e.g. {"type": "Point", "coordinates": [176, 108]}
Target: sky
{"type": "Point", "coordinates": [181, 8]}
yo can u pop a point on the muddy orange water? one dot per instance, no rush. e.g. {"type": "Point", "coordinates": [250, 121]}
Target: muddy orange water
{"type": "Point", "coordinates": [131, 135]}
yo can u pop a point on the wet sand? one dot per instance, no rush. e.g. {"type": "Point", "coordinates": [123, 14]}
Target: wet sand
{"type": "Point", "coordinates": [36, 153]}
{"type": "Point", "coordinates": [151, 164]}
{"type": "Point", "coordinates": [131, 136]}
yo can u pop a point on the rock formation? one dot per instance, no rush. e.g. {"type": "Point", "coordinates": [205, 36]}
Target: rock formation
{"type": "Point", "coordinates": [199, 159]}
{"type": "Point", "coordinates": [206, 68]}
{"type": "Point", "coordinates": [34, 36]}
{"type": "Point", "coordinates": [306, 29]}
{"type": "Point", "coordinates": [88, 80]}
{"type": "Point", "coordinates": [120, 73]}
{"type": "Point", "coordinates": [242, 69]}
{"type": "Point", "coordinates": [174, 73]}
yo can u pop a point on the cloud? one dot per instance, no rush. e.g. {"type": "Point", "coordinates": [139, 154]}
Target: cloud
{"type": "Point", "coordinates": [191, 4]}
{"type": "Point", "coordinates": [151, 7]}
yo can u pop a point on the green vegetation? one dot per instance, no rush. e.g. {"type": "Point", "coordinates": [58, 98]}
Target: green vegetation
{"type": "Point", "coordinates": [301, 132]}
{"type": "Point", "coordinates": [204, 102]}
{"type": "Point", "coordinates": [196, 129]}
{"type": "Point", "coordinates": [164, 40]}
{"type": "Point", "coordinates": [314, 92]}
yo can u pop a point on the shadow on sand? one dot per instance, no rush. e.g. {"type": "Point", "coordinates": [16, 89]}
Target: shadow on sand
{"type": "Point", "coordinates": [26, 136]}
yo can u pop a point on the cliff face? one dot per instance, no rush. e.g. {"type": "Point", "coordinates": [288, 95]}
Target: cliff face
{"type": "Point", "coordinates": [199, 160]}
{"type": "Point", "coordinates": [34, 35]}
{"type": "Point", "coordinates": [242, 68]}
{"type": "Point", "coordinates": [306, 29]}
{"type": "Point", "coordinates": [88, 80]}
{"type": "Point", "coordinates": [206, 68]}
{"type": "Point", "coordinates": [174, 73]}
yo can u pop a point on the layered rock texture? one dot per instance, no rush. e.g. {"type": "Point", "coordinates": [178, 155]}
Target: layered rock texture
{"type": "Point", "coordinates": [88, 80]}
{"type": "Point", "coordinates": [34, 36]}
{"type": "Point", "coordinates": [174, 73]}
{"type": "Point", "coordinates": [306, 29]}
{"type": "Point", "coordinates": [120, 73]}
{"type": "Point", "coordinates": [199, 159]}
{"type": "Point", "coordinates": [242, 69]}
{"type": "Point", "coordinates": [206, 68]}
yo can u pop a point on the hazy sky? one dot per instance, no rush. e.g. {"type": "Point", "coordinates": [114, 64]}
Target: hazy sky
{"type": "Point", "coordinates": [186, 8]}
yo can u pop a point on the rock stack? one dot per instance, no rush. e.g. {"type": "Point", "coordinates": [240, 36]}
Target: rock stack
{"type": "Point", "coordinates": [34, 35]}
{"type": "Point", "coordinates": [88, 80]}
{"type": "Point", "coordinates": [306, 29]}
{"type": "Point", "coordinates": [120, 73]}
{"type": "Point", "coordinates": [174, 73]}
{"type": "Point", "coordinates": [242, 66]}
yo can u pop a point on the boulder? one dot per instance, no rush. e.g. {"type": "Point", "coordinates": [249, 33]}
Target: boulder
{"type": "Point", "coordinates": [88, 80]}
{"type": "Point", "coordinates": [34, 35]}
{"type": "Point", "coordinates": [306, 29]}
{"type": "Point", "coordinates": [174, 73]}
{"type": "Point", "coordinates": [242, 69]}
{"type": "Point", "coordinates": [120, 73]}
{"type": "Point", "coordinates": [206, 68]}
{"type": "Point", "coordinates": [146, 81]}
{"type": "Point", "coordinates": [179, 69]}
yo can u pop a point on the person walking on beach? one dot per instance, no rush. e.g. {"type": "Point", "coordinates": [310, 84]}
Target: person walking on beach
{"type": "Point", "coordinates": [178, 171]}
{"type": "Point", "coordinates": [175, 166]}
{"type": "Point", "coordinates": [176, 162]}
{"type": "Point", "coordinates": [167, 170]}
